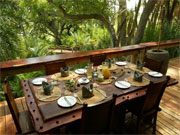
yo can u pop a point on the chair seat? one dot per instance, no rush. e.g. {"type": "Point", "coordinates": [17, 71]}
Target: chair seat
{"type": "Point", "coordinates": [25, 122]}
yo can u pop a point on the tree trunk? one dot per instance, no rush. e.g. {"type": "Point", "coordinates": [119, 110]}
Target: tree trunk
{"type": "Point", "coordinates": [143, 21]}
{"type": "Point", "coordinates": [172, 10]}
{"type": "Point", "coordinates": [99, 17]}
{"type": "Point", "coordinates": [122, 22]}
{"type": "Point", "coordinates": [134, 25]}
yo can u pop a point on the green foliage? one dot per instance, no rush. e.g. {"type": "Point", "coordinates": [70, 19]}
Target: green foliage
{"type": "Point", "coordinates": [15, 83]}
{"type": "Point", "coordinates": [88, 37]}
{"type": "Point", "coordinates": [9, 30]}
{"type": "Point", "coordinates": [36, 47]}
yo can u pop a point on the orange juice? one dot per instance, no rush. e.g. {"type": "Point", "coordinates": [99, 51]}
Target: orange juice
{"type": "Point", "coordinates": [106, 72]}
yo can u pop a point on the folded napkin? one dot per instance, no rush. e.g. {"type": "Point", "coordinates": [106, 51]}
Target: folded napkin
{"type": "Point", "coordinates": [140, 65]}
{"type": "Point", "coordinates": [87, 92]}
{"type": "Point", "coordinates": [138, 76]}
{"type": "Point", "coordinates": [109, 61]}
{"type": "Point", "coordinates": [47, 87]}
{"type": "Point", "coordinates": [64, 71]}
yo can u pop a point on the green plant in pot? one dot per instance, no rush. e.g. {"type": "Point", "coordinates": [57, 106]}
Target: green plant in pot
{"type": "Point", "coordinates": [159, 54]}
{"type": "Point", "coordinates": [71, 85]}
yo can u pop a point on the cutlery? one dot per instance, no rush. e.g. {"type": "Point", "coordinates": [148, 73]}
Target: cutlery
{"type": "Point", "coordinates": [145, 78]}
{"type": "Point", "coordinates": [67, 101]}
{"type": "Point", "coordinates": [48, 97]}
{"type": "Point", "coordinates": [100, 92]}
{"type": "Point", "coordinates": [76, 96]}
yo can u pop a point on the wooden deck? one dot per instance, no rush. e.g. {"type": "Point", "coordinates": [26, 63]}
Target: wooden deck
{"type": "Point", "coordinates": [168, 122]}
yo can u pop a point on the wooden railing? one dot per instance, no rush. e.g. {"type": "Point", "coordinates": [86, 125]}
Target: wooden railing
{"type": "Point", "coordinates": [14, 67]}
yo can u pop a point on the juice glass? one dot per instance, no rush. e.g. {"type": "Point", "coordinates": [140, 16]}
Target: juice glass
{"type": "Point", "coordinates": [105, 70]}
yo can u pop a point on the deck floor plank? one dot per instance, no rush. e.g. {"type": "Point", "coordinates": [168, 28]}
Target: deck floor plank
{"type": "Point", "coordinates": [2, 118]}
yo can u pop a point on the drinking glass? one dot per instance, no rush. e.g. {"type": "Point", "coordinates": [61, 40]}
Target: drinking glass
{"type": "Point", "coordinates": [89, 71]}
{"type": "Point", "coordinates": [105, 70]}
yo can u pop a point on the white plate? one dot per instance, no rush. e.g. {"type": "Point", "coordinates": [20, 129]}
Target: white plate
{"type": "Point", "coordinates": [155, 74]}
{"type": "Point", "coordinates": [121, 63]}
{"type": "Point", "coordinates": [81, 71]}
{"type": "Point", "coordinates": [62, 102]}
{"type": "Point", "coordinates": [38, 81]}
{"type": "Point", "coordinates": [83, 80]}
{"type": "Point", "coordinates": [122, 84]}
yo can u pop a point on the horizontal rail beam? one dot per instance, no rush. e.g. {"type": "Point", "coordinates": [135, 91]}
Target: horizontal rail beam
{"type": "Point", "coordinates": [14, 67]}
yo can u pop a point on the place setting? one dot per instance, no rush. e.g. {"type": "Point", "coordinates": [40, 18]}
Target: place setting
{"type": "Point", "coordinates": [90, 94]}
{"type": "Point", "coordinates": [67, 99]}
{"type": "Point", "coordinates": [48, 92]}
{"type": "Point", "coordinates": [139, 67]}
{"type": "Point", "coordinates": [138, 79]}
{"type": "Point", "coordinates": [64, 74]}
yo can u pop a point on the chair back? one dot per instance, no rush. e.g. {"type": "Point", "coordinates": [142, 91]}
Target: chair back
{"type": "Point", "coordinates": [98, 118]}
{"type": "Point", "coordinates": [154, 94]}
{"type": "Point", "coordinates": [98, 59]}
{"type": "Point", "coordinates": [12, 106]}
{"type": "Point", "coordinates": [154, 65]}
{"type": "Point", "coordinates": [54, 67]}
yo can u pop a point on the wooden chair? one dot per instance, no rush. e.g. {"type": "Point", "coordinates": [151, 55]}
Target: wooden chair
{"type": "Point", "coordinates": [149, 104]}
{"type": "Point", "coordinates": [54, 67]}
{"type": "Point", "coordinates": [98, 118]}
{"type": "Point", "coordinates": [154, 65]}
{"type": "Point", "coordinates": [98, 59]}
{"type": "Point", "coordinates": [22, 120]}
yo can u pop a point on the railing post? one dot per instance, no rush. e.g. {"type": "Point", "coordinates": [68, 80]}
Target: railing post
{"type": "Point", "coordinates": [134, 58]}
{"type": "Point", "coordinates": [142, 55]}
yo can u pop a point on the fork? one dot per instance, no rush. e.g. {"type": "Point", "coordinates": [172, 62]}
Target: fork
{"type": "Point", "coordinates": [75, 95]}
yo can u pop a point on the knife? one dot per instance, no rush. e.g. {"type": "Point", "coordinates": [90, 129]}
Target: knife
{"type": "Point", "coordinates": [101, 93]}
{"type": "Point", "coordinates": [67, 101]}
{"type": "Point", "coordinates": [48, 97]}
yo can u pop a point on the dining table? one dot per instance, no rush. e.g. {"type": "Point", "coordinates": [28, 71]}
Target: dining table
{"type": "Point", "coordinates": [47, 114]}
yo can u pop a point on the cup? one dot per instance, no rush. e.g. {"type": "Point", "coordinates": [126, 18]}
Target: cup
{"type": "Point", "coordinates": [89, 71]}
{"type": "Point", "coordinates": [105, 70]}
